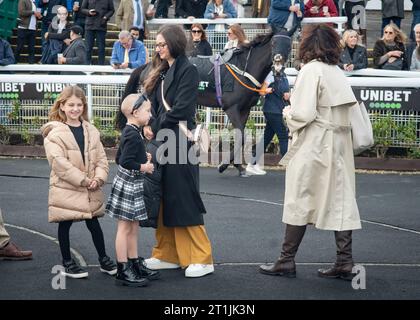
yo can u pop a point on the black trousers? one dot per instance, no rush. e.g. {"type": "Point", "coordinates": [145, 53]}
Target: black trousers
{"type": "Point", "coordinates": [26, 36]}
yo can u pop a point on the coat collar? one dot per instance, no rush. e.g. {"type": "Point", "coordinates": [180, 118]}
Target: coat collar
{"type": "Point", "coordinates": [170, 75]}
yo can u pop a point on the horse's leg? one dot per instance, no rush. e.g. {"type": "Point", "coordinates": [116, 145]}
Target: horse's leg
{"type": "Point", "coordinates": [237, 120]}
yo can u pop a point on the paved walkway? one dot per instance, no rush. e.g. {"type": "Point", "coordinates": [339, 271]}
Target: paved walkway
{"type": "Point", "coordinates": [244, 225]}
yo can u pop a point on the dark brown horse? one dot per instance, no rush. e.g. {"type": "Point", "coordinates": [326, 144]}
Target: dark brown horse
{"type": "Point", "coordinates": [256, 59]}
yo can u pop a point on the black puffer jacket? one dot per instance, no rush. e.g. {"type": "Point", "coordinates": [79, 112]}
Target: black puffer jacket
{"type": "Point", "coordinates": [152, 188]}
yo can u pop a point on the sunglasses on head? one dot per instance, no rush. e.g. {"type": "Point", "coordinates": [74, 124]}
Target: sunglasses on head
{"type": "Point", "coordinates": [139, 102]}
{"type": "Point", "coordinates": [196, 31]}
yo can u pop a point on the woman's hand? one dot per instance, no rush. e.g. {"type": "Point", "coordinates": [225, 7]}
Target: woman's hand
{"type": "Point", "coordinates": [286, 111]}
{"type": "Point", "coordinates": [394, 53]}
{"type": "Point", "coordinates": [148, 133]}
{"type": "Point", "coordinates": [149, 156]}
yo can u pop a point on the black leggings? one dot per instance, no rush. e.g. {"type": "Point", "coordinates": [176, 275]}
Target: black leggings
{"type": "Point", "coordinates": [95, 230]}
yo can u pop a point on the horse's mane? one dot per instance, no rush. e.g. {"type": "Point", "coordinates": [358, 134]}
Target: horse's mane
{"type": "Point", "coordinates": [259, 40]}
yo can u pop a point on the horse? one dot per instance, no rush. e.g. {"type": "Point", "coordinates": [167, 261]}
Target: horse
{"type": "Point", "coordinates": [256, 59]}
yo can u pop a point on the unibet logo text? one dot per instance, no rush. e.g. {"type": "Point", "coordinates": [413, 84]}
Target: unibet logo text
{"type": "Point", "coordinates": [385, 99]}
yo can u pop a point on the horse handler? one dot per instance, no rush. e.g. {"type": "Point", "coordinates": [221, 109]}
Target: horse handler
{"type": "Point", "coordinates": [320, 178]}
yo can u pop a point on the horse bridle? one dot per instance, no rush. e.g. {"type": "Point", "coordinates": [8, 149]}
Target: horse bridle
{"type": "Point", "coordinates": [234, 69]}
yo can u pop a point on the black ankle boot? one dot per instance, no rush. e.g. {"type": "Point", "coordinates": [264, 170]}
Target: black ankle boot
{"type": "Point", "coordinates": [222, 167]}
{"type": "Point", "coordinates": [127, 276]}
{"type": "Point", "coordinates": [143, 271]}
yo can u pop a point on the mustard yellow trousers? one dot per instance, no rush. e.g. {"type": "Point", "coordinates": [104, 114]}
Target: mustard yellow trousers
{"type": "Point", "coordinates": [182, 245]}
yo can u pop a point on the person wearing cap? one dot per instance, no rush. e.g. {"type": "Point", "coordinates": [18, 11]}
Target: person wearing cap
{"type": "Point", "coordinates": [76, 52]}
{"type": "Point", "coordinates": [9, 250]}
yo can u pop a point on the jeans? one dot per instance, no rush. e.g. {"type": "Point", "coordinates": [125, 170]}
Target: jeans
{"type": "Point", "coordinates": [90, 36]}
{"type": "Point", "coordinates": [274, 126]}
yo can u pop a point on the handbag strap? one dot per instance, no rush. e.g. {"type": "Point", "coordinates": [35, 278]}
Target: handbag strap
{"type": "Point", "coordinates": [182, 126]}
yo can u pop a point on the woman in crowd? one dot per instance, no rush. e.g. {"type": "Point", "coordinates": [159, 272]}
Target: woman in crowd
{"type": "Point", "coordinates": [218, 9]}
{"type": "Point", "coordinates": [236, 37]}
{"type": "Point", "coordinates": [389, 51]}
{"type": "Point", "coordinates": [354, 55]}
{"type": "Point", "coordinates": [320, 177]}
{"type": "Point", "coordinates": [197, 43]}
{"type": "Point", "coordinates": [58, 37]}
{"type": "Point", "coordinates": [181, 237]}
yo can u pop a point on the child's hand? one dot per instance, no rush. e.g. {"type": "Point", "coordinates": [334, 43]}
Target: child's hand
{"type": "Point", "coordinates": [93, 185]}
{"type": "Point", "coordinates": [147, 167]}
{"type": "Point", "coordinates": [149, 157]}
{"type": "Point", "coordinates": [148, 133]}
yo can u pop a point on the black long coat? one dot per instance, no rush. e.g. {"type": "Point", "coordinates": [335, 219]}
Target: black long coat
{"type": "Point", "coordinates": [182, 204]}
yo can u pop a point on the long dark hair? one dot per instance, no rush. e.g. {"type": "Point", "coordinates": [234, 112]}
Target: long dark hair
{"type": "Point", "coordinates": [176, 41]}
{"type": "Point", "coordinates": [320, 42]}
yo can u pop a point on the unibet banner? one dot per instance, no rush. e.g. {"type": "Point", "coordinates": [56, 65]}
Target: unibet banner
{"type": "Point", "coordinates": [30, 91]}
{"type": "Point", "coordinates": [389, 98]}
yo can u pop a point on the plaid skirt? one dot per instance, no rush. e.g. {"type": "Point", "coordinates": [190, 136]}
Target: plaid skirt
{"type": "Point", "coordinates": [126, 199]}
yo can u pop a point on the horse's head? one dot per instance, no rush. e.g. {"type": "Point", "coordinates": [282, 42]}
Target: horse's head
{"type": "Point", "coordinates": [269, 51]}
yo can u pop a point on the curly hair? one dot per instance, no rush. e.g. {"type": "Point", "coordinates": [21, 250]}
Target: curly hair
{"type": "Point", "coordinates": [320, 42]}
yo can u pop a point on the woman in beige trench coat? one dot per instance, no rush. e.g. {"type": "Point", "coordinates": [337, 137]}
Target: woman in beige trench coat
{"type": "Point", "coordinates": [320, 178]}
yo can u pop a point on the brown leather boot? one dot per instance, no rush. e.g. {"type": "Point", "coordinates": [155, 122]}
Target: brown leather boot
{"type": "Point", "coordinates": [285, 265]}
{"type": "Point", "coordinates": [344, 263]}
{"type": "Point", "coordinates": [13, 252]}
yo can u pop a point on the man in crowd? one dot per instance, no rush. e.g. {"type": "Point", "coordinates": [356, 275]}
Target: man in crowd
{"type": "Point", "coordinates": [27, 28]}
{"type": "Point", "coordinates": [76, 52]}
{"type": "Point", "coordinates": [127, 52]}
{"type": "Point", "coordinates": [133, 13]}
{"type": "Point", "coordinates": [97, 15]}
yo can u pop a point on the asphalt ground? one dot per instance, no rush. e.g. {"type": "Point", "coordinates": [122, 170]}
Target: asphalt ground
{"type": "Point", "coordinates": [244, 225]}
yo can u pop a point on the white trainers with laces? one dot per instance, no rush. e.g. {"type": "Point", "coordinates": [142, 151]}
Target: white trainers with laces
{"type": "Point", "coordinates": [255, 169]}
{"type": "Point", "coordinates": [156, 264]}
{"type": "Point", "coordinates": [198, 270]}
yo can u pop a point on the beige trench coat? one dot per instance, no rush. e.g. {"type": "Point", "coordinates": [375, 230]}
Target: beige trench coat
{"type": "Point", "coordinates": [320, 178]}
{"type": "Point", "coordinates": [69, 198]}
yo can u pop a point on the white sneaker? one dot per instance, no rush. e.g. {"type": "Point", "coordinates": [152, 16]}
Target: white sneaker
{"type": "Point", "coordinates": [255, 170]}
{"type": "Point", "coordinates": [156, 264]}
{"type": "Point", "coordinates": [198, 270]}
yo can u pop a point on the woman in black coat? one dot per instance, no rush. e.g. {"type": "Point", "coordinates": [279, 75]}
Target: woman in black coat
{"type": "Point", "coordinates": [389, 52]}
{"type": "Point", "coordinates": [353, 56]}
{"type": "Point", "coordinates": [181, 237]}
{"type": "Point", "coordinates": [198, 44]}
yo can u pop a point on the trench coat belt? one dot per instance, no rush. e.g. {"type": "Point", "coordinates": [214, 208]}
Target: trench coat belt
{"type": "Point", "coordinates": [301, 137]}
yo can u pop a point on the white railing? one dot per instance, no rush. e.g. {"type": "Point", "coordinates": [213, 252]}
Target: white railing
{"type": "Point", "coordinates": [340, 21]}
{"type": "Point", "coordinates": [87, 69]}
